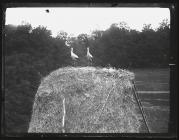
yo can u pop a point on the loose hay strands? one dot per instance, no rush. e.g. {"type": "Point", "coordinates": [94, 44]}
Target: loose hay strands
{"type": "Point", "coordinates": [85, 100]}
{"type": "Point", "coordinates": [104, 104]}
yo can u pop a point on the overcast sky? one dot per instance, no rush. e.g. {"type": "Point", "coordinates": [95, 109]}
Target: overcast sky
{"type": "Point", "coordinates": [84, 20]}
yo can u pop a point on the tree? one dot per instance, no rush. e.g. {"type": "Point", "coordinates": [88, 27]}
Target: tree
{"type": "Point", "coordinates": [164, 25]}
{"type": "Point", "coordinates": [147, 28]}
{"type": "Point", "coordinates": [62, 35]}
{"type": "Point", "coordinates": [83, 38]}
{"type": "Point", "coordinates": [97, 34]}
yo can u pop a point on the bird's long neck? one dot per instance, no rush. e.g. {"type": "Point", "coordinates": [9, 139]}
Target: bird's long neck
{"type": "Point", "coordinates": [71, 50]}
{"type": "Point", "coordinates": [87, 50]}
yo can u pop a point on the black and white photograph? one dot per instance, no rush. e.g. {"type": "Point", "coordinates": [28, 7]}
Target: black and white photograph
{"type": "Point", "coordinates": [79, 70]}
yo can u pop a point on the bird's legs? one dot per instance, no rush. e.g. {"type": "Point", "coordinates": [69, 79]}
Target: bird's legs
{"type": "Point", "coordinates": [74, 63]}
{"type": "Point", "coordinates": [91, 63]}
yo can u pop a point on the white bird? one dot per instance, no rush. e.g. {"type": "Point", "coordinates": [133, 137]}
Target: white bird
{"type": "Point", "coordinates": [89, 56]}
{"type": "Point", "coordinates": [73, 56]}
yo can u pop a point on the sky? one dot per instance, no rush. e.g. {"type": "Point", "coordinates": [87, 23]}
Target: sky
{"type": "Point", "coordinates": [79, 20]}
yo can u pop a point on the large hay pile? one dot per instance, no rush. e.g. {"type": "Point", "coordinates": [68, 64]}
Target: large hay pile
{"type": "Point", "coordinates": [85, 100]}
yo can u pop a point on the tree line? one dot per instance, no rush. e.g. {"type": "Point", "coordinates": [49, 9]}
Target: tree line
{"type": "Point", "coordinates": [32, 53]}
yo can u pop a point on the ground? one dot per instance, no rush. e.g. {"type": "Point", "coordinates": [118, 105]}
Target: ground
{"type": "Point", "coordinates": [155, 104]}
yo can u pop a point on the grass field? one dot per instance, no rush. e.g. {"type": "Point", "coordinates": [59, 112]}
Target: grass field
{"type": "Point", "coordinates": [152, 79]}
{"type": "Point", "coordinates": [156, 105]}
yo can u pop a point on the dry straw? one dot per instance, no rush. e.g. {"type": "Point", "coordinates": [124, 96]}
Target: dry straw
{"type": "Point", "coordinates": [85, 100]}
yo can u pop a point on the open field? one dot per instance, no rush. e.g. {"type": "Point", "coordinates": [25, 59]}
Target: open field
{"type": "Point", "coordinates": [155, 103]}
{"type": "Point", "coordinates": [152, 79]}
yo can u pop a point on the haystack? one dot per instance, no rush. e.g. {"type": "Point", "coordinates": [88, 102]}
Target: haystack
{"type": "Point", "coordinates": [85, 100]}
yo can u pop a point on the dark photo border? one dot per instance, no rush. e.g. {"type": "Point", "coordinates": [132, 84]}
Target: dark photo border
{"type": "Point", "coordinates": [171, 4]}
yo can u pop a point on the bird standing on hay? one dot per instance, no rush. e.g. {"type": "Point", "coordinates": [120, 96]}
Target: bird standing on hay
{"type": "Point", "coordinates": [74, 56]}
{"type": "Point", "coordinates": [89, 57]}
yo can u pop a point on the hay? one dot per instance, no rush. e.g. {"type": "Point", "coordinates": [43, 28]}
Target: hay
{"type": "Point", "coordinates": [96, 101]}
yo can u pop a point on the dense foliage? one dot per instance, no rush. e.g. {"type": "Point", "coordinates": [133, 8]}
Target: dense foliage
{"type": "Point", "coordinates": [32, 53]}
